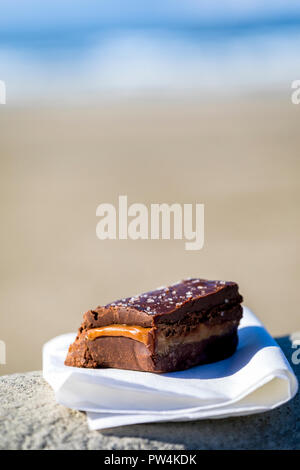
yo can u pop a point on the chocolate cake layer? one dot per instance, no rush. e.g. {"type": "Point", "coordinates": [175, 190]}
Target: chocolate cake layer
{"type": "Point", "coordinates": [167, 329]}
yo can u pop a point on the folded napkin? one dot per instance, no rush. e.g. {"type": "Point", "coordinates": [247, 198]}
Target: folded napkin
{"type": "Point", "coordinates": [256, 378]}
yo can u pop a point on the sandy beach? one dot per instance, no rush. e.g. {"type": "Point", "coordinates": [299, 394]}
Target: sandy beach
{"type": "Point", "coordinates": [57, 164]}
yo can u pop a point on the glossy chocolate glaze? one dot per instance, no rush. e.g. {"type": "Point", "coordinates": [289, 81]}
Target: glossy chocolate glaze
{"type": "Point", "coordinates": [167, 304]}
{"type": "Point", "coordinates": [167, 299]}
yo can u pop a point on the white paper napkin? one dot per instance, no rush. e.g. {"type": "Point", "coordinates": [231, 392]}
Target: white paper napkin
{"type": "Point", "coordinates": [256, 378]}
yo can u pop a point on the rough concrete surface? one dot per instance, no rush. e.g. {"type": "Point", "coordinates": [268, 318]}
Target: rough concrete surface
{"type": "Point", "coordinates": [31, 419]}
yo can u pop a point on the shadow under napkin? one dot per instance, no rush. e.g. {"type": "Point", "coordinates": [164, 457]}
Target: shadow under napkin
{"type": "Point", "coordinates": [276, 429]}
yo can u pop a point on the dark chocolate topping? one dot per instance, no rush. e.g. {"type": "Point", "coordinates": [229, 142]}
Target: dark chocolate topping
{"type": "Point", "coordinates": [167, 304]}
{"type": "Point", "coordinates": [167, 299]}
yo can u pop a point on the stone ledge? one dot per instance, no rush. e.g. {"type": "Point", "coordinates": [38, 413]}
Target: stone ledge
{"type": "Point", "coordinates": [31, 419]}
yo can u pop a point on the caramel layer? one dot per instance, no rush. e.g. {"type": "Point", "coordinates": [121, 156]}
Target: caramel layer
{"type": "Point", "coordinates": [137, 333]}
{"type": "Point", "coordinates": [194, 335]}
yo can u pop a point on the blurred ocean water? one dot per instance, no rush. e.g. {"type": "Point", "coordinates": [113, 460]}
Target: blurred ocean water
{"type": "Point", "coordinates": [216, 48]}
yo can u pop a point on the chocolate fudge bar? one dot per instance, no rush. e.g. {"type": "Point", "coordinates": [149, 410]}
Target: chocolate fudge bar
{"type": "Point", "coordinates": [171, 328]}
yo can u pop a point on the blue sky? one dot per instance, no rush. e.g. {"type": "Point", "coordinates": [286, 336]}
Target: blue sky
{"type": "Point", "coordinates": [85, 48]}
{"type": "Point", "coordinates": [54, 14]}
